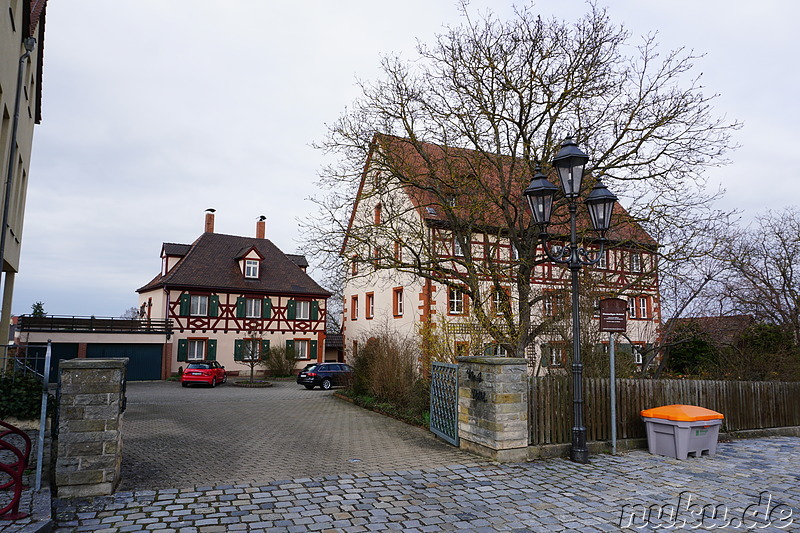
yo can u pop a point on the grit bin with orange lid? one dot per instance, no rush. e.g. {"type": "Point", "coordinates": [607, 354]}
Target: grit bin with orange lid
{"type": "Point", "coordinates": [680, 430]}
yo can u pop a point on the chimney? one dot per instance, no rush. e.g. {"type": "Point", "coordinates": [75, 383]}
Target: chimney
{"type": "Point", "coordinates": [261, 227]}
{"type": "Point", "coordinates": [210, 220]}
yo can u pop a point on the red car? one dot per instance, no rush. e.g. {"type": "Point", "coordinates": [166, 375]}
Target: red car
{"type": "Point", "coordinates": [207, 372]}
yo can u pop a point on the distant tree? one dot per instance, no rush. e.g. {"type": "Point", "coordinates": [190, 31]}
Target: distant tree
{"type": "Point", "coordinates": [250, 351]}
{"type": "Point", "coordinates": [37, 310]}
{"type": "Point", "coordinates": [763, 275]}
{"type": "Point", "coordinates": [280, 361]}
{"type": "Point", "coordinates": [130, 313]}
{"type": "Point", "coordinates": [690, 351]}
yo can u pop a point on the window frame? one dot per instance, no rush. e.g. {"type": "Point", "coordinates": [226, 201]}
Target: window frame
{"type": "Point", "coordinates": [354, 307]}
{"type": "Point", "coordinates": [636, 262]}
{"type": "Point", "coordinates": [302, 342]}
{"type": "Point", "coordinates": [257, 304]}
{"type": "Point", "coordinates": [196, 310]}
{"type": "Point", "coordinates": [302, 305]}
{"type": "Point", "coordinates": [191, 353]}
{"type": "Point", "coordinates": [369, 306]}
{"type": "Point", "coordinates": [398, 302]}
{"type": "Point", "coordinates": [456, 301]}
{"type": "Point", "coordinates": [251, 268]}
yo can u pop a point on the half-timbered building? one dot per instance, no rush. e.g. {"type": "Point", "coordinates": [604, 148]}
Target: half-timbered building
{"type": "Point", "coordinates": [231, 298]}
{"type": "Point", "coordinates": [445, 212]}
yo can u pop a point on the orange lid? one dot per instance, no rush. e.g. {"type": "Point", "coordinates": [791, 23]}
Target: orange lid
{"type": "Point", "coordinates": [682, 413]}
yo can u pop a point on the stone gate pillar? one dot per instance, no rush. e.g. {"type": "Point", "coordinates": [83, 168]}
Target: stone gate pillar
{"type": "Point", "coordinates": [89, 445]}
{"type": "Point", "coordinates": [493, 407]}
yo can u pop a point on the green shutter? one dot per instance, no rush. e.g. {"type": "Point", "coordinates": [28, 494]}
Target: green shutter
{"type": "Point", "coordinates": [266, 312]}
{"type": "Point", "coordinates": [183, 350]}
{"type": "Point", "coordinates": [264, 349]}
{"type": "Point", "coordinates": [291, 310]}
{"type": "Point", "coordinates": [185, 301]}
{"type": "Point", "coordinates": [213, 305]}
{"type": "Point", "coordinates": [547, 354]}
{"type": "Point", "coordinates": [238, 350]}
{"type": "Point", "coordinates": [313, 352]}
{"type": "Point", "coordinates": [314, 310]}
{"type": "Point", "coordinates": [212, 350]}
{"type": "Point", "coordinates": [290, 347]}
{"type": "Point", "coordinates": [240, 311]}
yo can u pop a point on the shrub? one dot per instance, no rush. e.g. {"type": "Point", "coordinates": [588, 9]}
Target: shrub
{"type": "Point", "coordinates": [280, 361]}
{"type": "Point", "coordinates": [20, 396]}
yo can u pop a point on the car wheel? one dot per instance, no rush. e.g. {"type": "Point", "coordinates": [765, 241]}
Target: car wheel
{"type": "Point", "coordinates": [184, 384]}
{"type": "Point", "coordinates": [213, 382]}
{"type": "Point", "coordinates": [309, 387]}
{"type": "Point", "coordinates": [326, 384]}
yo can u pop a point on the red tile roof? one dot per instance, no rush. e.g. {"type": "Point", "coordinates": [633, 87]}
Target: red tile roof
{"type": "Point", "coordinates": [211, 264]}
{"type": "Point", "coordinates": [483, 186]}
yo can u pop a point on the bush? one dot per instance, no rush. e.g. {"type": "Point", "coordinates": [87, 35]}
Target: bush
{"type": "Point", "coordinates": [20, 396]}
{"type": "Point", "coordinates": [385, 371]}
{"type": "Point", "coordinates": [280, 361]}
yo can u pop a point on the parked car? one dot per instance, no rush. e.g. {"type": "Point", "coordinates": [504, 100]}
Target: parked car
{"type": "Point", "coordinates": [207, 372]}
{"type": "Point", "coordinates": [325, 375]}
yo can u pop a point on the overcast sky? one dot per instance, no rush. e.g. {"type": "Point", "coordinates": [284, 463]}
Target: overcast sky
{"type": "Point", "coordinates": [155, 110]}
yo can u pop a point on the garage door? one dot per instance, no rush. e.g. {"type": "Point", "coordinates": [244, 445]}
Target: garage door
{"type": "Point", "coordinates": [144, 359]}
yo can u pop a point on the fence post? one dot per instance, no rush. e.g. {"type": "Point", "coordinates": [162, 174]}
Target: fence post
{"type": "Point", "coordinates": [89, 447]}
{"type": "Point", "coordinates": [493, 407]}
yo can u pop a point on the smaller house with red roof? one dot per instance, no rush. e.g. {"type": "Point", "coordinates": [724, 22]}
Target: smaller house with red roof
{"type": "Point", "coordinates": [229, 297]}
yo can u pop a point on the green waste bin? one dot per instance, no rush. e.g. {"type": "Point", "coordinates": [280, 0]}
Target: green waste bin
{"type": "Point", "coordinates": [682, 430]}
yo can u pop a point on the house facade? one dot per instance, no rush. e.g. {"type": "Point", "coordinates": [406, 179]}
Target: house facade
{"type": "Point", "coordinates": [21, 60]}
{"type": "Point", "coordinates": [231, 298]}
{"type": "Point", "coordinates": [455, 229]}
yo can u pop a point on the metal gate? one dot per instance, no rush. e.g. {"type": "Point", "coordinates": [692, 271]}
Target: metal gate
{"type": "Point", "coordinates": [444, 401]}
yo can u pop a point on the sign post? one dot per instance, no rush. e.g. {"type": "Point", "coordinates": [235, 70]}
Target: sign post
{"type": "Point", "coordinates": [613, 319]}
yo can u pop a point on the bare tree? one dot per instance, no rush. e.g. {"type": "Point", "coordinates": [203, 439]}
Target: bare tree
{"type": "Point", "coordinates": [465, 125]}
{"type": "Point", "coordinates": [763, 276]}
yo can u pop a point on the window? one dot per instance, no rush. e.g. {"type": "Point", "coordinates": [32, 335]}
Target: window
{"type": "Point", "coordinates": [251, 268]}
{"type": "Point", "coordinates": [643, 307]}
{"type": "Point", "coordinates": [514, 253]}
{"type": "Point", "coordinates": [251, 349]}
{"type": "Point", "coordinates": [198, 305]}
{"type": "Point", "coordinates": [637, 354]}
{"type": "Point", "coordinates": [551, 304]}
{"type": "Point", "coordinates": [494, 350]}
{"type": "Point", "coordinates": [497, 301]}
{"type": "Point", "coordinates": [398, 251]}
{"type": "Point", "coordinates": [253, 307]}
{"type": "Point", "coordinates": [638, 307]}
{"type": "Point", "coordinates": [457, 250]}
{"type": "Point", "coordinates": [636, 262]}
{"type": "Point", "coordinates": [370, 306]}
{"type": "Point", "coordinates": [451, 200]}
{"type": "Point", "coordinates": [603, 263]}
{"type": "Point", "coordinates": [301, 349]}
{"type": "Point", "coordinates": [354, 265]}
{"type": "Point", "coordinates": [632, 308]}
{"type": "Point", "coordinates": [455, 301]}
{"type": "Point", "coordinates": [397, 301]}
{"type": "Point", "coordinates": [354, 308]}
{"type": "Point", "coordinates": [378, 214]}
{"type": "Point", "coordinates": [197, 350]}
{"type": "Point", "coordinates": [303, 310]}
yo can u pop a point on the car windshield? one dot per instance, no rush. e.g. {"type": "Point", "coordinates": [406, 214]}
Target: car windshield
{"type": "Point", "coordinates": [204, 366]}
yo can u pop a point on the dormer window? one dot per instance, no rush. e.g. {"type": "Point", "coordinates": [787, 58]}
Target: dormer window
{"type": "Point", "coordinates": [251, 269]}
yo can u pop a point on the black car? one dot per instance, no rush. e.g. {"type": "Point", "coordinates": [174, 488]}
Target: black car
{"type": "Point", "coordinates": [325, 375]}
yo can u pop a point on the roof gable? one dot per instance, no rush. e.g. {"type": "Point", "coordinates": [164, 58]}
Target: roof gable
{"type": "Point", "coordinates": [212, 263]}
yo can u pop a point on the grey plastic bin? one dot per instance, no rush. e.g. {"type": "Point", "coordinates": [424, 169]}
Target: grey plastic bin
{"type": "Point", "coordinates": [680, 430]}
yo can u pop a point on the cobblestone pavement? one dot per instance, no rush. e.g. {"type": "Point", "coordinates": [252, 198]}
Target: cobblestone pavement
{"type": "Point", "coordinates": [184, 437]}
{"type": "Point", "coordinates": [613, 493]}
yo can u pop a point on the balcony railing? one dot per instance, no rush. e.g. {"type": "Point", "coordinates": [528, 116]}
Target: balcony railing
{"type": "Point", "coordinates": [93, 324]}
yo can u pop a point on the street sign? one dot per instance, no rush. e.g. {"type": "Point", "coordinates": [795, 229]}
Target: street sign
{"type": "Point", "coordinates": [613, 315]}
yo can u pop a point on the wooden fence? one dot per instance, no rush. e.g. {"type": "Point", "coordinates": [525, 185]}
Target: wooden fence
{"type": "Point", "coordinates": [745, 404]}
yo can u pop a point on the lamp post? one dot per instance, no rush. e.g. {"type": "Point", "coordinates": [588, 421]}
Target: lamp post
{"type": "Point", "coordinates": [570, 162]}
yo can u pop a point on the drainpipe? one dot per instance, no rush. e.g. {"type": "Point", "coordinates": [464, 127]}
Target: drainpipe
{"type": "Point", "coordinates": [29, 43]}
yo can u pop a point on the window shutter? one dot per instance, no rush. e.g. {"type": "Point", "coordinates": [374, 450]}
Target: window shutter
{"type": "Point", "coordinates": [212, 350]}
{"type": "Point", "coordinates": [213, 305]}
{"type": "Point", "coordinates": [314, 310]}
{"type": "Point", "coordinates": [290, 347]}
{"type": "Point", "coordinates": [313, 352]}
{"type": "Point", "coordinates": [264, 349]}
{"type": "Point", "coordinates": [291, 310]}
{"type": "Point", "coordinates": [183, 350]}
{"type": "Point", "coordinates": [240, 312]}
{"type": "Point", "coordinates": [238, 350]}
{"type": "Point", "coordinates": [488, 350]}
{"type": "Point", "coordinates": [184, 305]}
{"type": "Point", "coordinates": [266, 312]}
{"type": "Point", "coordinates": [547, 354]}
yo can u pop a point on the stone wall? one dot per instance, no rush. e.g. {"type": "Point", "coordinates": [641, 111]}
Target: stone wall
{"type": "Point", "coordinates": [89, 446]}
{"type": "Point", "coordinates": [493, 407]}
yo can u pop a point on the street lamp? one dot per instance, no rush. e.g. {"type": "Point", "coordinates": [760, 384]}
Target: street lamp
{"type": "Point", "coordinates": [570, 162]}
